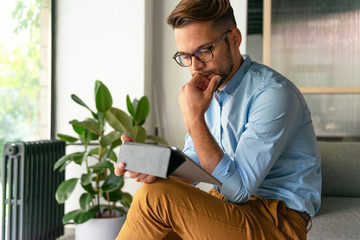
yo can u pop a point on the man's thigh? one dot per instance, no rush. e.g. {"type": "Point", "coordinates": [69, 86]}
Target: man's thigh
{"type": "Point", "coordinates": [194, 214]}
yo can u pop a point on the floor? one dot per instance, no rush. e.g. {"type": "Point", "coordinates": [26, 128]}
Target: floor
{"type": "Point", "coordinates": [69, 234]}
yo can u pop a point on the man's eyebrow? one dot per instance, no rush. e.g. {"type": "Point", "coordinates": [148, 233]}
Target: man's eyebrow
{"type": "Point", "coordinates": [208, 44]}
{"type": "Point", "coordinates": [180, 53]}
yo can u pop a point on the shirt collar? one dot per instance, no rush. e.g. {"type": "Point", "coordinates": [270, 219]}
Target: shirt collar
{"type": "Point", "coordinates": [235, 81]}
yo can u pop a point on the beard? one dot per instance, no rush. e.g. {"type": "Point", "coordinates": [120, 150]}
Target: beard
{"type": "Point", "coordinates": [229, 64]}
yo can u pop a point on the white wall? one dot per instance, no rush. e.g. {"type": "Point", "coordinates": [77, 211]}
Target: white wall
{"type": "Point", "coordinates": [128, 46]}
{"type": "Point", "coordinates": [102, 40]}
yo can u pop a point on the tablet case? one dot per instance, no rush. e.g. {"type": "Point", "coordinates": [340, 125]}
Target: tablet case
{"type": "Point", "coordinates": [162, 161]}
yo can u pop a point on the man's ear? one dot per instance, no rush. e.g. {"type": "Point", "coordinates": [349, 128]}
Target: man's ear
{"type": "Point", "coordinates": [236, 37]}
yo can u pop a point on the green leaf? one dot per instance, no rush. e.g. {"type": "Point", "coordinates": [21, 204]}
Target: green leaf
{"type": "Point", "coordinates": [70, 157]}
{"type": "Point", "coordinates": [86, 179]}
{"type": "Point", "coordinates": [103, 97]}
{"type": "Point", "coordinates": [65, 189]}
{"type": "Point", "coordinates": [87, 154]}
{"type": "Point", "coordinates": [102, 165]}
{"type": "Point", "coordinates": [63, 167]}
{"type": "Point", "coordinates": [135, 104]}
{"type": "Point", "coordinates": [142, 111]}
{"type": "Point", "coordinates": [112, 182]}
{"type": "Point", "coordinates": [84, 134]}
{"type": "Point", "coordinates": [86, 183]}
{"type": "Point", "coordinates": [85, 200]}
{"type": "Point", "coordinates": [95, 151]}
{"type": "Point", "coordinates": [66, 138]}
{"type": "Point", "coordinates": [92, 126]}
{"type": "Point", "coordinates": [89, 135]}
{"type": "Point", "coordinates": [106, 152]}
{"type": "Point", "coordinates": [70, 216]}
{"type": "Point", "coordinates": [114, 196]}
{"type": "Point", "coordinates": [110, 138]}
{"type": "Point", "coordinates": [86, 215]}
{"type": "Point", "coordinates": [123, 182]}
{"type": "Point", "coordinates": [89, 188]}
{"type": "Point", "coordinates": [118, 119]}
{"type": "Point", "coordinates": [138, 133]}
{"type": "Point", "coordinates": [114, 145]}
{"type": "Point", "coordinates": [61, 161]}
{"type": "Point", "coordinates": [79, 101]}
{"type": "Point", "coordinates": [130, 106]}
{"type": "Point", "coordinates": [78, 159]}
{"type": "Point", "coordinates": [96, 116]}
{"type": "Point", "coordinates": [157, 139]}
{"type": "Point", "coordinates": [126, 200]}
{"type": "Point", "coordinates": [78, 129]}
{"type": "Point", "coordinates": [112, 156]}
{"type": "Point", "coordinates": [100, 176]}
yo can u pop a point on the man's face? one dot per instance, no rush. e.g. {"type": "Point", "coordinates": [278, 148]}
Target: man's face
{"type": "Point", "coordinates": [195, 36]}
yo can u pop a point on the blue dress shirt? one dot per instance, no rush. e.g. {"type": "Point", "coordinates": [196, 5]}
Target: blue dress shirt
{"type": "Point", "coordinates": [263, 124]}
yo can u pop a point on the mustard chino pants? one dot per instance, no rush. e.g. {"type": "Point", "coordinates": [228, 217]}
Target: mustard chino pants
{"type": "Point", "coordinates": [168, 205]}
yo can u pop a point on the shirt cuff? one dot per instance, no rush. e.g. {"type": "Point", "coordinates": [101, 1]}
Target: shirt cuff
{"type": "Point", "coordinates": [232, 187]}
{"type": "Point", "coordinates": [224, 169]}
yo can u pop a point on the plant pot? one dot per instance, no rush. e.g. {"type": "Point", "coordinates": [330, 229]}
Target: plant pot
{"type": "Point", "coordinates": [99, 228]}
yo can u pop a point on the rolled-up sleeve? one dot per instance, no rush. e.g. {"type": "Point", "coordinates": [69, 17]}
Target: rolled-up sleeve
{"type": "Point", "coordinates": [232, 188]}
{"type": "Point", "coordinates": [189, 150]}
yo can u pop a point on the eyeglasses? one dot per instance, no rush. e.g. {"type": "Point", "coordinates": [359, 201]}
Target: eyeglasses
{"type": "Point", "coordinates": [202, 54]}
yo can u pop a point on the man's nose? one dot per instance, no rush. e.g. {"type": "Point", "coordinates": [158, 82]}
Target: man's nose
{"type": "Point", "coordinates": [196, 65]}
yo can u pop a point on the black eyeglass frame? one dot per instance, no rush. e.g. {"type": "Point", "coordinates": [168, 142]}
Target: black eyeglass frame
{"type": "Point", "coordinates": [195, 54]}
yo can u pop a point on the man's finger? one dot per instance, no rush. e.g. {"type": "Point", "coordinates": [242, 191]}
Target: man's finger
{"type": "Point", "coordinates": [195, 79]}
{"type": "Point", "coordinates": [120, 169]}
{"type": "Point", "coordinates": [126, 138]}
{"type": "Point", "coordinates": [213, 84]}
{"type": "Point", "coordinates": [149, 179]}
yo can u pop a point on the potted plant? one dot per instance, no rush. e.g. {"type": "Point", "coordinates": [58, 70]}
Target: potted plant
{"type": "Point", "coordinates": [102, 197]}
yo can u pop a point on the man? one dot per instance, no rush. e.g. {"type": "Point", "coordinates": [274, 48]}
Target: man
{"type": "Point", "coordinates": [247, 125]}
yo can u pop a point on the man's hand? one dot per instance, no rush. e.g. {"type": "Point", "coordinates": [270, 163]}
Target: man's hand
{"type": "Point", "coordinates": [195, 98]}
{"type": "Point", "coordinates": [139, 177]}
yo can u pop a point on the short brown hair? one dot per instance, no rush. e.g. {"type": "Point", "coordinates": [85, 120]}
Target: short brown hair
{"type": "Point", "coordinates": [219, 12]}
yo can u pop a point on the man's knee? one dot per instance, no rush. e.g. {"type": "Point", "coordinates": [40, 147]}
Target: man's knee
{"type": "Point", "coordinates": [152, 190]}
{"type": "Point", "coordinates": [161, 191]}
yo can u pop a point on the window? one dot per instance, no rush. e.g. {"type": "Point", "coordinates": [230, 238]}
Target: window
{"type": "Point", "coordinates": [24, 70]}
{"type": "Point", "coordinates": [316, 44]}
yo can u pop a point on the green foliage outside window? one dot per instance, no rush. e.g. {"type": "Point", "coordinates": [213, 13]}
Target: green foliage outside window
{"type": "Point", "coordinates": [20, 75]}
